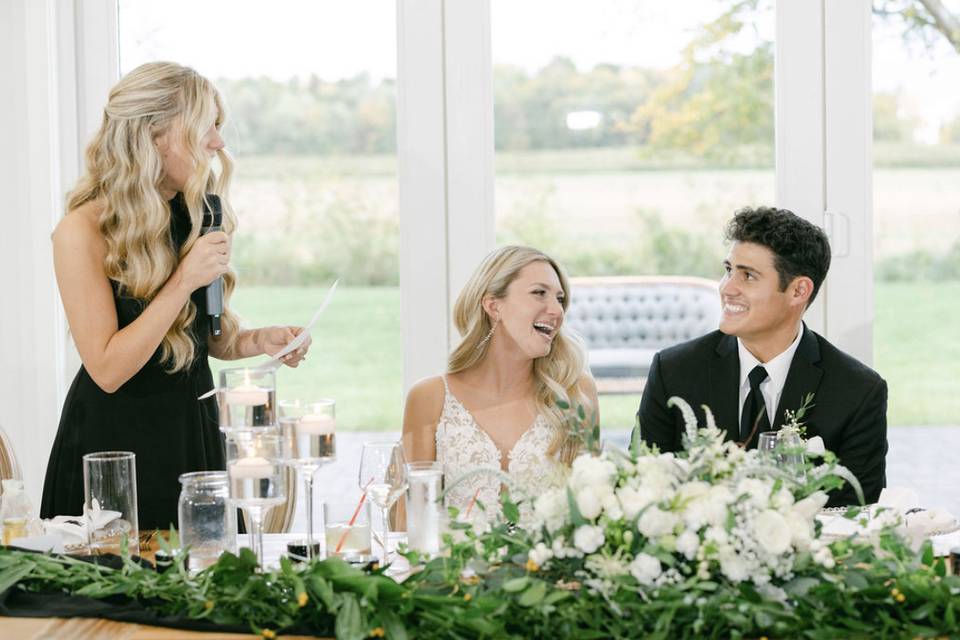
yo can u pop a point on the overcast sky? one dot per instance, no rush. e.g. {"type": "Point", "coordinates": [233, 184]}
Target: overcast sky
{"type": "Point", "coordinates": [285, 38]}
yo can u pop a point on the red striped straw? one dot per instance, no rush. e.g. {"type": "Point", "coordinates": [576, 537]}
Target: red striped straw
{"type": "Point", "coordinates": [473, 501]}
{"type": "Point", "coordinates": [356, 512]}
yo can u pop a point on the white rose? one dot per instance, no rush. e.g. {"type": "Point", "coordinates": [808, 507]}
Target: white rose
{"type": "Point", "coordinates": [782, 500]}
{"type": "Point", "coordinates": [815, 447]}
{"type": "Point", "coordinates": [757, 490]}
{"type": "Point", "coordinates": [801, 530]}
{"type": "Point", "coordinates": [694, 489]}
{"type": "Point", "coordinates": [611, 506]}
{"type": "Point", "coordinates": [588, 538]}
{"type": "Point", "coordinates": [688, 544]}
{"type": "Point", "coordinates": [824, 557]}
{"type": "Point", "coordinates": [771, 531]}
{"type": "Point", "coordinates": [655, 523]}
{"type": "Point", "coordinates": [588, 503]}
{"type": "Point", "coordinates": [645, 568]}
{"type": "Point", "coordinates": [634, 500]}
{"type": "Point", "coordinates": [540, 554]}
{"type": "Point", "coordinates": [734, 567]}
{"type": "Point", "coordinates": [809, 506]}
{"type": "Point", "coordinates": [550, 509]}
{"type": "Point", "coordinates": [591, 471]}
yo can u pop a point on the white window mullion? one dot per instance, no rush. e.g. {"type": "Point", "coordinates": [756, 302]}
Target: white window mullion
{"type": "Point", "coordinates": [849, 198]}
{"type": "Point", "coordinates": [422, 174]}
{"type": "Point", "coordinates": [799, 121]}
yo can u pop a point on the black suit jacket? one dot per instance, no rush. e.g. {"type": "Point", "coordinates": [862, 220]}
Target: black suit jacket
{"type": "Point", "coordinates": [849, 413]}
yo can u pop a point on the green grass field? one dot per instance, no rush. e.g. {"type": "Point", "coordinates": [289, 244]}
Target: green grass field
{"type": "Point", "coordinates": [356, 358]}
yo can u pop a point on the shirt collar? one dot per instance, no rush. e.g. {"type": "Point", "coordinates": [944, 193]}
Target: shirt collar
{"type": "Point", "coordinates": [777, 367]}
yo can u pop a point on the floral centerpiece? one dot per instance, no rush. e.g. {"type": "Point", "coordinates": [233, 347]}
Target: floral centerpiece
{"type": "Point", "coordinates": [711, 542]}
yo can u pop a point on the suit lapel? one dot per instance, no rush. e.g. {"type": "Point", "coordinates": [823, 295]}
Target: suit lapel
{"type": "Point", "coordinates": [725, 386]}
{"type": "Point", "coordinates": [802, 378]}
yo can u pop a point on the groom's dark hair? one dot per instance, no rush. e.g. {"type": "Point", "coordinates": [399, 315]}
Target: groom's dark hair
{"type": "Point", "coordinates": [799, 247]}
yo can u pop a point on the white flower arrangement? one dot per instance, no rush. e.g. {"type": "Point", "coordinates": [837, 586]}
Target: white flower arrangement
{"type": "Point", "coordinates": [644, 519]}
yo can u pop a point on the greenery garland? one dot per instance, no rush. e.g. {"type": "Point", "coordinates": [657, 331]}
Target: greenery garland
{"type": "Point", "coordinates": [506, 582]}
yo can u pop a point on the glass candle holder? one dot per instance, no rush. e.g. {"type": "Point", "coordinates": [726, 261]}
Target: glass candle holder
{"type": "Point", "coordinates": [247, 399]}
{"type": "Point", "coordinates": [255, 466]}
{"type": "Point", "coordinates": [207, 519]}
{"type": "Point", "coordinates": [309, 442]}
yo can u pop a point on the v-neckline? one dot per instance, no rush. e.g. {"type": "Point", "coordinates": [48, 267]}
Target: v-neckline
{"type": "Point", "coordinates": [489, 438]}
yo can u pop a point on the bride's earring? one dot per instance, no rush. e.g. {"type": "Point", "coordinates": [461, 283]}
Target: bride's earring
{"type": "Point", "coordinates": [489, 335]}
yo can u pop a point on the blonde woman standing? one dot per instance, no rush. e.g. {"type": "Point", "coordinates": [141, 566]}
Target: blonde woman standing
{"type": "Point", "coordinates": [494, 415]}
{"type": "Point", "coordinates": [131, 268]}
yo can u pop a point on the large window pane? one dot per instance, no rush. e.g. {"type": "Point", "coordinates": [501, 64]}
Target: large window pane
{"type": "Point", "coordinates": [916, 197]}
{"type": "Point", "coordinates": [310, 89]}
{"type": "Point", "coordinates": [627, 133]}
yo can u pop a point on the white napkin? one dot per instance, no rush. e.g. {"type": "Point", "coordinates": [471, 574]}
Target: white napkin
{"type": "Point", "coordinates": [50, 542]}
{"type": "Point", "coordinates": [73, 529]}
{"type": "Point", "coordinates": [899, 499]}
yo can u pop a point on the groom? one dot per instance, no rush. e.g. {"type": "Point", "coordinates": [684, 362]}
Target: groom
{"type": "Point", "coordinates": [764, 360]}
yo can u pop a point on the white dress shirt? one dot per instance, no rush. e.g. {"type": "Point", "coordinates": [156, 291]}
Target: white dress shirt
{"type": "Point", "coordinates": [777, 369]}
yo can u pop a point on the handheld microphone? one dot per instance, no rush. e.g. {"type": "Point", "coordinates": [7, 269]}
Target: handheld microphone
{"type": "Point", "coordinates": [212, 221]}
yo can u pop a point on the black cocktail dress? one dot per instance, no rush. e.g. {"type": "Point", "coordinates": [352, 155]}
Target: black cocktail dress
{"type": "Point", "coordinates": [155, 414]}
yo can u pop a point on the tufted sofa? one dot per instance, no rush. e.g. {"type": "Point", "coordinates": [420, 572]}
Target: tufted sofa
{"type": "Point", "coordinates": [626, 320]}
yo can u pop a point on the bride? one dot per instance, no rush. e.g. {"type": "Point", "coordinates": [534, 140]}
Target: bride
{"type": "Point", "coordinates": [495, 409]}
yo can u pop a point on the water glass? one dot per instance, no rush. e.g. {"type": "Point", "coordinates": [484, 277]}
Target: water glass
{"type": "Point", "coordinates": [383, 479]}
{"type": "Point", "coordinates": [110, 501]}
{"type": "Point", "coordinates": [207, 520]}
{"type": "Point", "coordinates": [424, 506]}
{"type": "Point", "coordinates": [346, 528]}
{"type": "Point", "coordinates": [256, 470]}
{"type": "Point", "coordinates": [767, 445]}
{"type": "Point", "coordinates": [247, 398]}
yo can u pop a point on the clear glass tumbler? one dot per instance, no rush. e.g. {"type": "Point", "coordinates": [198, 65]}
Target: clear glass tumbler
{"type": "Point", "coordinates": [424, 506]}
{"type": "Point", "coordinates": [207, 520]}
{"type": "Point", "coordinates": [110, 501]}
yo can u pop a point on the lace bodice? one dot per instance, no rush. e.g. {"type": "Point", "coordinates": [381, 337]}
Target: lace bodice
{"type": "Point", "coordinates": [463, 447]}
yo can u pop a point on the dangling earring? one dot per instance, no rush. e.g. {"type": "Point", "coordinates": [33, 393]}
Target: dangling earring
{"type": "Point", "coordinates": [489, 335]}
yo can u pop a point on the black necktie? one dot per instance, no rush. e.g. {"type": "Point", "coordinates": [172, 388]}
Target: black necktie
{"type": "Point", "coordinates": [754, 407]}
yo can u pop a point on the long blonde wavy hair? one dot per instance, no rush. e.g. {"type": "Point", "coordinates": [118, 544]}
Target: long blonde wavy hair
{"type": "Point", "coordinates": [556, 375]}
{"type": "Point", "coordinates": [124, 169]}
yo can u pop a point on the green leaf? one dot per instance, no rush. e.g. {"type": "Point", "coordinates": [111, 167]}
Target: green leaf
{"type": "Point", "coordinates": [562, 404]}
{"type": "Point", "coordinates": [534, 595]}
{"type": "Point", "coordinates": [13, 575]}
{"type": "Point", "coordinates": [575, 516]}
{"type": "Point", "coordinates": [856, 579]}
{"type": "Point", "coordinates": [516, 584]}
{"type": "Point", "coordinates": [800, 586]}
{"type": "Point", "coordinates": [349, 625]}
{"type": "Point", "coordinates": [510, 510]}
{"type": "Point", "coordinates": [392, 625]}
{"type": "Point", "coordinates": [556, 596]}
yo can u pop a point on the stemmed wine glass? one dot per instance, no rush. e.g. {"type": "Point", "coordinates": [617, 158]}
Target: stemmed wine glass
{"type": "Point", "coordinates": [309, 442]}
{"type": "Point", "coordinates": [383, 478]}
{"type": "Point", "coordinates": [255, 468]}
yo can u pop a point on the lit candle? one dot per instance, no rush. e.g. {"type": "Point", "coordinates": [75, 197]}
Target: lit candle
{"type": "Point", "coordinates": [316, 425]}
{"type": "Point", "coordinates": [246, 395]}
{"type": "Point", "coordinates": [253, 467]}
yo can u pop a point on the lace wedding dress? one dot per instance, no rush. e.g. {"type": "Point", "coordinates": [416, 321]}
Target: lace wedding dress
{"type": "Point", "coordinates": [463, 448]}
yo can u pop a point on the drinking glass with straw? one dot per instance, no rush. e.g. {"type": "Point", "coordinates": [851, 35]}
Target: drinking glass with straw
{"type": "Point", "coordinates": [383, 474]}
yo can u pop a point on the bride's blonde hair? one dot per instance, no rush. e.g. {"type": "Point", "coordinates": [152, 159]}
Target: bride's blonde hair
{"type": "Point", "coordinates": [124, 169]}
{"type": "Point", "coordinates": [556, 375]}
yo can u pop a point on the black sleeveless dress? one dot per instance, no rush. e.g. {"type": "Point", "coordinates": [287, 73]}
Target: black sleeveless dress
{"type": "Point", "coordinates": [154, 414]}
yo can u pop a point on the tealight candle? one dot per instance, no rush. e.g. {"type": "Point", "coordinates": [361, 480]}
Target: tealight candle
{"type": "Point", "coordinates": [253, 467]}
{"type": "Point", "coordinates": [246, 395]}
{"type": "Point", "coordinates": [316, 425]}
